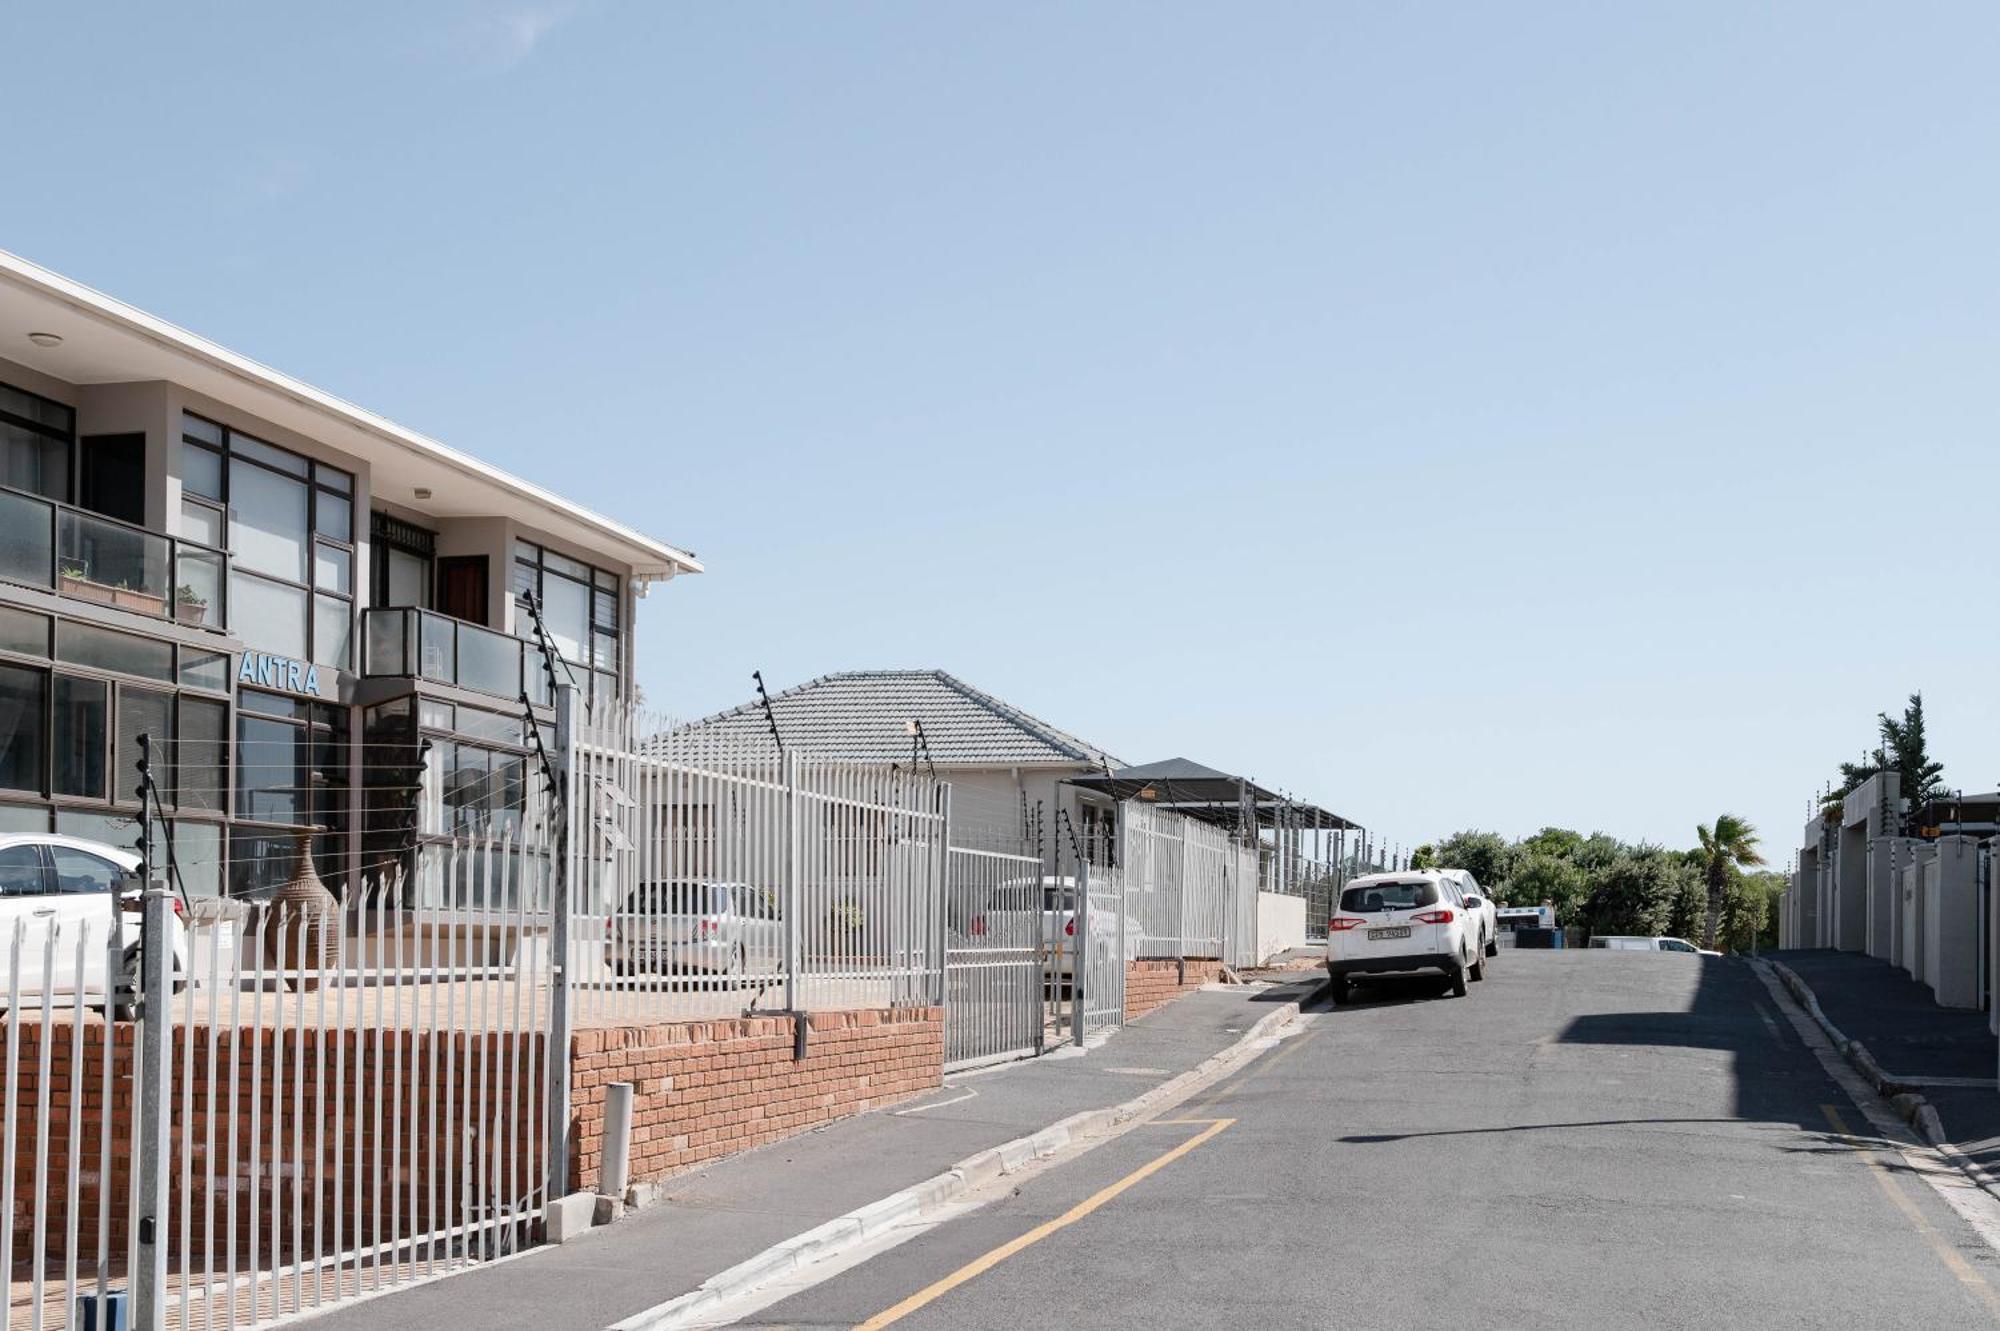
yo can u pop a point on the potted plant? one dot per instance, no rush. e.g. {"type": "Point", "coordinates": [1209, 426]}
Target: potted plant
{"type": "Point", "coordinates": [127, 597]}
{"type": "Point", "coordinates": [190, 606]}
{"type": "Point", "coordinates": [76, 581]}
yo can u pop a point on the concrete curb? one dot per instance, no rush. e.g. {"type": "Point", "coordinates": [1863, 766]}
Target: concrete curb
{"type": "Point", "coordinates": [866, 1223]}
{"type": "Point", "coordinates": [1909, 1105]}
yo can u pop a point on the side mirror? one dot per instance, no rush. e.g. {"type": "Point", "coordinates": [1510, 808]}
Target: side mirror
{"type": "Point", "coordinates": [1473, 903]}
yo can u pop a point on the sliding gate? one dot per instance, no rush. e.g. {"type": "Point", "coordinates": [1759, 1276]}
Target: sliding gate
{"type": "Point", "coordinates": [995, 918]}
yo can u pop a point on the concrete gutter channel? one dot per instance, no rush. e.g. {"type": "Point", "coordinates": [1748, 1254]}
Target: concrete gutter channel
{"type": "Point", "coordinates": [865, 1224]}
{"type": "Point", "coordinates": [1909, 1103]}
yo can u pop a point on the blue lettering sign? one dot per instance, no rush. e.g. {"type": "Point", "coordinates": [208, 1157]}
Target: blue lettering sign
{"type": "Point", "coordinates": [279, 672]}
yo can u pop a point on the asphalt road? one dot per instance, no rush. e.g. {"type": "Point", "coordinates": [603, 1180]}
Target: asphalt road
{"type": "Point", "coordinates": [1587, 1140]}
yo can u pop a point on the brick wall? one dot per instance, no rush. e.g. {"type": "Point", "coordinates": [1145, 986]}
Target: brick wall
{"type": "Point", "coordinates": [1149, 984]}
{"type": "Point", "coordinates": [705, 1089]}
{"type": "Point", "coordinates": [368, 1112]}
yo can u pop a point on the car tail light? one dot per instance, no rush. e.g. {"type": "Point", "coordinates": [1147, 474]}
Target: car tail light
{"type": "Point", "coordinates": [978, 926]}
{"type": "Point", "coordinates": [1070, 928]}
{"type": "Point", "coordinates": [180, 909]}
{"type": "Point", "coordinates": [709, 928]}
{"type": "Point", "coordinates": [1340, 924]}
{"type": "Point", "coordinates": [1434, 917]}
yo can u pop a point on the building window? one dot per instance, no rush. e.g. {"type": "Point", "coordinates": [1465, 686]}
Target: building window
{"type": "Point", "coordinates": [37, 441]}
{"type": "Point", "coordinates": [401, 554]}
{"type": "Point", "coordinates": [581, 608]}
{"type": "Point", "coordinates": [24, 703]}
{"type": "Point", "coordinates": [291, 773]}
{"type": "Point", "coordinates": [290, 523]}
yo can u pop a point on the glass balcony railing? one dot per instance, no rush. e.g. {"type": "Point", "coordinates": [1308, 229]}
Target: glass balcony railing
{"type": "Point", "coordinates": [90, 557]}
{"type": "Point", "coordinates": [422, 644]}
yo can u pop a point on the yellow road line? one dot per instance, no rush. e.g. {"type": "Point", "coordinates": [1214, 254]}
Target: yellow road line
{"type": "Point", "coordinates": [1959, 1267]}
{"type": "Point", "coordinates": [980, 1265]}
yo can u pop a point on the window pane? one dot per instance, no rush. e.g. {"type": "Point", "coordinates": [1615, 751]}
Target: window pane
{"type": "Point", "coordinates": [436, 715]}
{"type": "Point", "coordinates": [113, 829]}
{"type": "Point", "coordinates": [80, 873]}
{"type": "Point", "coordinates": [198, 854]}
{"type": "Point", "coordinates": [201, 470]}
{"type": "Point", "coordinates": [527, 552]}
{"type": "Point", "coordinates": [21, 872]}
{"type": "Point", "coordinates": [150, 713]}
{"type": "Point", "coordinates": [409, 579]}
{"type": "Point", "coordinates": [604, 651]}
{"type": "Point", "coordinates": [270, 768]}
{"type": "Point", "coordinates": [197, 428]}
{"type": "Point", "coordinates": [271, 704]}
{"type": "Point", "coordinates": [333, 478]}
{"type": "Point", "coordinates": [204, 670]}
{"type": "Point", "coordinates": [604, 610]}
{"type": "Point", "coordinates": [334, 517]}
{"type": "Point", "coordinates": [34, 462]}
{"type": "Point", "coordinates": [566, 608]}
{"type": "Point", "coordinates": [259, 861]}
{"type": "Point", "coordinates": [203, 753]}
{"type": "Point", "coordinates": [27, 540]}
{"type": "Point", "coordinates": [201, 523]}
{"type": "Point", "coordinates": [267, 522]}
{"type": "Point", "coordinates": [23, 818]}
{"type": "Point", "coordinates": [23, 632]}
{"type": "Point", "coordinates": [563, 564]}
{"type": "Point", "coordinates": [526, 579]}
{"type": "Point", "coordinates": [85, 644]}
{"type": "Point", "coordinates": [24, 696]}
{"type": "Point", "coordinates": [270, 617]}
{"type": "Point", "coordinates": [333, 632]}
{"type": "Point", "coordinates": [333, 568]}
{"type": "Point", "coordinates": [79, 736]}
{"type": "Point", "coordinates": [256, 448]}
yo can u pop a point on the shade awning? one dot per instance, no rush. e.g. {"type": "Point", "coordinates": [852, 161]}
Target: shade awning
{"type": "Point", "coordinates": [1188, 787]}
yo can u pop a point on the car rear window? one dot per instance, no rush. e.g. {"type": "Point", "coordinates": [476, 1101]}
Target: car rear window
{"type": "Point", "coordinates": [1370, 898]}
{"type": "Point", "coordinates": [680, 899]}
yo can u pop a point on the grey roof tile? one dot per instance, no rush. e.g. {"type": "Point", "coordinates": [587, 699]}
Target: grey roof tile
{"type": "Point", "coordinates": [862, 716]}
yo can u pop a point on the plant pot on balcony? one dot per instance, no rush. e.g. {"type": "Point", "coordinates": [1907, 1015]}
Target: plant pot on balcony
{"type": "Point", "coordinates": [298, 929]}
{"type": "Point", "coordinates": [191, 612]}
{"type": "Point", "coordinates": [88, 589]}
{"type": "Point", "coordinates": [126, 598]}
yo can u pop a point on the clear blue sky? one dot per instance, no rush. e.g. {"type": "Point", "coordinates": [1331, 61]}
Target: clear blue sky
{"type": "Point", "coordinates": [1462, 415]}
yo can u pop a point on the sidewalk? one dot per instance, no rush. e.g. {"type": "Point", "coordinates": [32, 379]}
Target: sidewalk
{"type": "Point", "coordinates": [1948, 1055]}
{"type": "Point", "coordinates": [714, 1217]}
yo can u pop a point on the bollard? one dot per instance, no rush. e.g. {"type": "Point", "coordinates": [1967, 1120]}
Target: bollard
{"type": "Point", "coordinates": [612, 1175]}
{"type": "Point", "coordinates": [111, 1314]}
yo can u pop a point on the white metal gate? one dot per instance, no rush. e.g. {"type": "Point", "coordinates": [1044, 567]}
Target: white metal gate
{"type": "Point", "coordinates": [996, 914]}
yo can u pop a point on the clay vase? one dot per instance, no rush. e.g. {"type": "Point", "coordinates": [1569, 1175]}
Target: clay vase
{"type": "Point", "coordinates": [298, 933]}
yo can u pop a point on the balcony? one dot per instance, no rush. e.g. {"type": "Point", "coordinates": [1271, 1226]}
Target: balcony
{"type": "Point", "coordinates": [89, 557]}
{"type": "Point", "coordinates": [422, 644]}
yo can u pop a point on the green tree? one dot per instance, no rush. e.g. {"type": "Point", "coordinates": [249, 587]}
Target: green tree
{"type": "Point", "coordinates": [1921, 779]}
{"type": "Point", "coordinates": [1484, 855]}
{"type": "Point", "coordinates": [1729, 845]}
{"type": "Point", "coordinates": [1425, 857]}
{"type": "Point", "coordinates": [1750, 911]}
{"type": "Point", "coordinates": [1634, 894]}
{"type": "Point", "coordinates": [1539, 878]}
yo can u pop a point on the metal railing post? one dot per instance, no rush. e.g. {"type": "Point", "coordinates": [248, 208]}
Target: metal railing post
{"type": "Point", "coordinates": [942, 898]}
{"type": "Point", "coordinates": [561, 895]}
{"type": "Point", "coordinates": [149, 1128]}
{"type": "Point", "coordinates": [1081, 981]}
{"type": "Point", "coordinates": [789, 773]}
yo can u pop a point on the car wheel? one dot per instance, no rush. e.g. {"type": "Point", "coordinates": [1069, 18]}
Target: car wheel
{"type": "Point", "coordinates": [1343, 990]}
{"type": "Point", "coordinates": [738, 963]}
{"type": "Point", "coordinates": [1458, 982]}
{"type": "Point", "coordinates": [1477, 970]}
{"type": "Point", "coordinates": [1492, 947]}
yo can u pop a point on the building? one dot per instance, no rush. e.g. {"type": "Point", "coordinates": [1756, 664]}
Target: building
{"type": "Point", "coordinates": [1003, 763]}
{"type": "Point", "coordinates": [319, 616]}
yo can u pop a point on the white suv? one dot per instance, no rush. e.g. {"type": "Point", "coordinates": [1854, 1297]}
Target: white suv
{"type": "Point", "coordinates": [1483, 907]}
{"type": "Point", "coordinates": [1403, 924]}
{"type": "Point", "coordinates": [65, 886]}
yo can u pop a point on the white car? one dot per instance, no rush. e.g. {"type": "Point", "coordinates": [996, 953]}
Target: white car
{"type": "Point", "coordinates": [696, 927]}
{"type": "Point", "coordinates": [1403, 924]}
{"type": "Point", "coordinates": [1481, 905]}
{"type": "Point", "coordinates": [1009, 920]}
{"type": "Point", "coordinates": [66, 885]}
{"type": "Point", "coordinates": [1646, 943]}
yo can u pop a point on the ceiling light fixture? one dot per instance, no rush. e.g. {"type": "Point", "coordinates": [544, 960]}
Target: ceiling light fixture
{"type": "Point", "coordinates": [46, 339]}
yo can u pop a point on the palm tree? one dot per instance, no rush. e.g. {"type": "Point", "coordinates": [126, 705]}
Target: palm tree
{"type": "Point", "coordinates": [1729, 845]}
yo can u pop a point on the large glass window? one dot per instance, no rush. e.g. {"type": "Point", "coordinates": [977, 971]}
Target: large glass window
{"type": "Point", "coordinates": [291, 769]}
{"type": "Point", "coordinates": [36, 439]}
{"type": "Point", "coordinates": [580, 606]}
{"type": "Point", "coordinates": [24, 702]}
{"type": "Point", "coordinates": [80, 719]}
{"type": "Point", "coordinates": [147, 712]}
{"type": "Point", "coordinates": [290, 523]}
{"type": "Point", "coordinates": [202, 772]}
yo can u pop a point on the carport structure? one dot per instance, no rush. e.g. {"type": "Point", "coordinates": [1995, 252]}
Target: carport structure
{"type": "Point", "coordinates": [1301, 857]}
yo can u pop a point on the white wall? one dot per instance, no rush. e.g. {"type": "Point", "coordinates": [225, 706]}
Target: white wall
{"type": "Point", "coordinates": [1281, 924]}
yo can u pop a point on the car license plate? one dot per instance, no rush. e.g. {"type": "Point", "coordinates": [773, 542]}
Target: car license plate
{"type": "Point", "coordinates": [1377, 935]}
